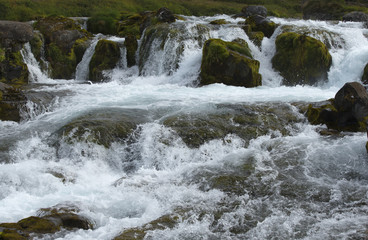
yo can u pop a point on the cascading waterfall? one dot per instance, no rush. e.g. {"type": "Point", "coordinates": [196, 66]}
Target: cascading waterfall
{"type": "Point", "coordinates": [36, 74]}
{"type": "Point", "coordinates": [272, 176]}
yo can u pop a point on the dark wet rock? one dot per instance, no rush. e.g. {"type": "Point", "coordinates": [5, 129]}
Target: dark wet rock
{"type": "Point", "coordinates": [247, 122]}
{"type": "Point", "coordinates": [11, 101]}
{"type": "Point", "coordinates": [14, 34]}
{"type": "Point", "coordinates": [355, 17]}
{"type": "Point", "coordinates": [301, 59]}
{"type": "Point", "coordinates": [254, 10]}
{"type": "Point", "coordinates": [103, 126]}
{"type": "Point", "coordinates": [365, 75]}
{"type": "Point", "coordinates": [165, 15]}
{"type": "Point", "coordinates": [348, 111]}
{"type": "Point", "coordinates": [131, 45]}
{"type": "Point", "coordinates": [105, 57]}
{"type": "Point", "coordinates": [13, 70]}
{"type": "Point", "coordinates": [50, 221]}
{"type": "Point", "coordinates": [256, 38]}
{"type": "Point", "coordinates": [322, 10]}
{"type": "Point", "coordinates": [138, 233]}
{"type": "Point", "coordinates": [230, 63]}
{"type": "Point", "coordinates": [63, 38]}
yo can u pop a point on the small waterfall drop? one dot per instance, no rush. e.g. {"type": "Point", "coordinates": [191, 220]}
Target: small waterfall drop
{"type": "Point", "coordinates": [35, 72]}
{"type": "Point", "coordinates": [82, 70]}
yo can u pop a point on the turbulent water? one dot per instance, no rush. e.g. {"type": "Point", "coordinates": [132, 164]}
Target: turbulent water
{"type": "Point", "coordinates": [277, 185]}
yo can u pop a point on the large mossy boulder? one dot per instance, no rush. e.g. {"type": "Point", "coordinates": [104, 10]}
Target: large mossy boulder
{"type": "Point", "coordinates": [106, 57]}
{"type": "Point", "coordinates": [323, 10]}
{"type": "Point", "coordinates": [49, 221]}
{"type": "Point", "coordinates": [348, 111]}
{"type": "Point", "coordinates": [262, 24]}
{"type": "Point", "coordinates": [62, 36]}
{"type": "Point", "coordinates": [301, 59]}
{"type": "Point", "coordinates": [102, 127]}
{"type": "Point", "coordinates": [230, 63]}
{"type": "Point", "coordinates": [13, 35]}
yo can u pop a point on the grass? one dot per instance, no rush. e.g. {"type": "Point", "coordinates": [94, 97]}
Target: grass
{"type": "Point", "coordinates": [25, 10]}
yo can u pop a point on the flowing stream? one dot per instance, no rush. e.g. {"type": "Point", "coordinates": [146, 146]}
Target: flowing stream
{"type": "Point", "coordinates": [285, 182]}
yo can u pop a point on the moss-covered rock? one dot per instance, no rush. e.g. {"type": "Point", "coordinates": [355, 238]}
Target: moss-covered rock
{"type": "Point", "coordinates": [50, 221]}
{"type": "Point", "coordinates": [11, 100]}
{"type": "Point", "coordinates": [135, 24]}
{"type": "Point", "coordinates": [301, 59]}
{"type": "Point", "coordinates": [256, 38]}
{"type": "Point", "coordinates": [230, 63]}
{"type": "Point", "coordinates": [13, 70]}
{"type": "Point", "coordinates": [102, 127]}
{"type": "Point", "coordinates": [131, 45]}
{"type": "Point", "coordinates": [261, 24]}
{"type": "Point", "coordinates": [365, 75]}
{"type": "Point", "coordinates": [348, 111]}
{"type": "Point", "coordinates": [63, 44]}
{"type": "Point", "coordinates": [14, 34]}
{"type": "Point", "coordinates": [247, 122]}
{"type": "Point", "coordinates": [219, 22]}
{"type": "Point", "coordinates": [106, 57]}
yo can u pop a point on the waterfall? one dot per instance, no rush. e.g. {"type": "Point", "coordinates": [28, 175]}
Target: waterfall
{"type": "Point", "coordinates": [35, 72]}
{"type": "Point", "coordinates": [82, 70]}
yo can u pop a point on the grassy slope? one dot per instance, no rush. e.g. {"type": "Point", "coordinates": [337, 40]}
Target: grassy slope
{"type": "Point", "coordinates": [24, 10]}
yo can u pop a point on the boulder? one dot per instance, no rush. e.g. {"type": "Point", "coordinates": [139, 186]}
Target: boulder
{"type": "Point", "coordinates": [165, 15]}
{"type": "Point", "coordinates": [49, 223]}
{"type": "Point", "coordinates": [230, 63]}
{"type": "Point", "coordinates": [348, 111]}
{"type": "Point", "coordinates": [322, 10]}
{"type": "Point", "coordinates": [106, 57]}
{"type": "Point", "coordinates": [254, 10]}
{"type": "Point", "coordinates": [13, 70]}
{"type": "Point", "coordinates": [103, 126]}
{"type": "Point", "coordinates": [61, 36]}
{"type": "Point", "coordinates": [259, 23]}
{"type": "Point", "coordinates": [355, 17]}
{"type": "Point", "coordinates": [219, 22]}
{"type": "Point", "coordinates": [14, 34]}
{"type": "Point", "coordinates": [301, 59]}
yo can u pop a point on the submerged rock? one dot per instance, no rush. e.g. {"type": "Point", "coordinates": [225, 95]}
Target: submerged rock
{"type": "Point", "coordinates": [301, 59]}
{"type": "Point", "coordinates": [230, 63]}
{"type": "Point", "coordinates": [103, 126]}
{"type": "Point", "coordinates": [348, 111]}
{"type": "Point", "coordinates": [105, 57]}
{"type": "Point", "coordinates": [247, 122]}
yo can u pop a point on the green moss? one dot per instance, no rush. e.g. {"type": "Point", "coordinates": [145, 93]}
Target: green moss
{"type": "Point", "coordinates": [267, 27]}
{"type": "Point", "coordinates": [37, 43]}
{"type": "Point", "coordinates": [79, 48]}
{"type": "Point", "coordinates": [38, 225]}
{"type": "Point", "coordinates": [301, 59]}
{"type": "Point", "coordinates": [229, 63]}
{"type": "Point", "coordinates": [106, 56]}
{"type": "Point", "coordinates": [63, 65]}
{"type": "Point", "coordinates": [104, 22]}
{"type": "Point", "coordinates": [131, 45]}
{"type": "Point", "coordinates": [2, 54]}
{"type": "Point", "coordinates": [48, 25]}
{"type": "Point", "coordinates": [11, 235]}
{"type": "Point", "coordinates": [219, 22]}
{"type": "Point", "coordinates": [256, 37]}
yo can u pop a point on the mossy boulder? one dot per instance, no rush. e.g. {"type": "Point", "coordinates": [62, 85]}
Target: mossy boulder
{"type": "Point", "coordinates": [131, 45]}
{"type": "Point", "coordinates": [230, 63]}
{"type": "Point", "coordinates": [135, 24]}
{"type": "Point", "coordinates": [348, 111]}
{"type": "Point", "coordinates": [301, 59]}
{"type": "Point", "coordinates": [13, 70]}
{"type": "Point", "coordinates": [365, 75]}
{"type": "Point", "coordinates": [36, 226]}
{"type": "Point", "coordinates": [256, 38]}
{"type": "Point", "coordinates": [63, 37]}
{"type": "Point", "coordinates": [219, 22]}
{"type": "Point", "coordinates": [323, 10]}
{"type": "Point", "coordinates": [102, 127]}
{"type": "Point", "coordinates": [261, 24]}
{"type": "Point", "coordinates": [245, 121]}
{"type": "Point", "coordinates": [164, 222]}
{"type": "Point", "coordinates": [106, 57]}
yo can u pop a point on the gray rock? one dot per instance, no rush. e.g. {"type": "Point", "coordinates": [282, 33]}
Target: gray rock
{"type": "Point", "coordinates": [355, 17]}
{"type": "Point", "coordinates": [15, 34]}
{"type": "Point", "coordinates": [254, 10]}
